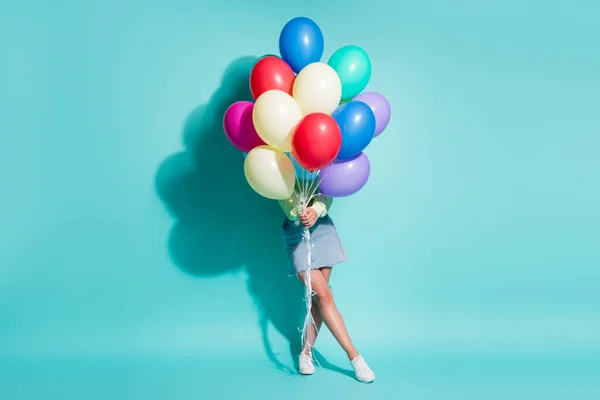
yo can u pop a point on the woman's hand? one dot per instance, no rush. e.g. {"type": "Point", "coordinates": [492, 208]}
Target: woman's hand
{"type": "Point", "coordinates": [308, 217]}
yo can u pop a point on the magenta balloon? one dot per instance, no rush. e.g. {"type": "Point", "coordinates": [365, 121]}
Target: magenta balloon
{"type": "Point", "coordinates": [345, 177]}
{"type": "Point", "coordinates": [380, 107]}
{"type": "Point", "coordinates": [239, 128]}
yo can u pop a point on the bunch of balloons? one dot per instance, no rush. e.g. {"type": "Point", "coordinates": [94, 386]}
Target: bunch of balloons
{"type": "Point", "coordinates": [309, 111]}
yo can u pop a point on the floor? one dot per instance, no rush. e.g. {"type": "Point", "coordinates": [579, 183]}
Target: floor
{"type": "Point", "coordinates": [399, 376]}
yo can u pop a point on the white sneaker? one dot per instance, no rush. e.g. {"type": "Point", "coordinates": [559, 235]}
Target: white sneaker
{"type": "Point", "coordinates": [362, 370]}
{"type": "Point", "coordinates": [306, 366]}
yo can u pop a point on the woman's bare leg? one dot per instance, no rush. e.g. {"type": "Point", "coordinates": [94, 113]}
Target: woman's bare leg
{"type": "Point", "coordinates": [310, 335]}
{"type": "Point", "coordinates": [329, 312]}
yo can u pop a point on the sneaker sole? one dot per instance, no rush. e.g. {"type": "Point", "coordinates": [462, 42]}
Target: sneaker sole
{"type": "Point", "coordinates": [366, 381]}
{"type": "Point", "coordinates": [306, 372]}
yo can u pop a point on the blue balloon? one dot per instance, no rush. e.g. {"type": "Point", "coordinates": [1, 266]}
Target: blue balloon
{"type": "Point", "coordinates": [301, 43]}
{"type": "Point", "coordinates": [357, 123]}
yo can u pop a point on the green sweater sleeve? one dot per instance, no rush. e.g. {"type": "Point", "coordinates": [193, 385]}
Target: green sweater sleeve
{"type": "Point", "coordinates": [321, 205]}
{"type": "Point", "coordinates": [291, 208]}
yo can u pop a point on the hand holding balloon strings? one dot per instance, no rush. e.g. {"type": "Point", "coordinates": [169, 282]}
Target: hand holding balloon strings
{"type": "Point", "coordinates": [308, 217]}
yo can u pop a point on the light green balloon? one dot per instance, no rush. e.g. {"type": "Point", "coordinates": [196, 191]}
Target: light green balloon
{"type": "Point", "coordinates": [353, 66]}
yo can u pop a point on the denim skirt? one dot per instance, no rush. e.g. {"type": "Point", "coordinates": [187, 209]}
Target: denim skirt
{"type": "Point", "coordinates": [326, 248]}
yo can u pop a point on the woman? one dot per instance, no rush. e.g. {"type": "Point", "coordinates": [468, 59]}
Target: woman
{"type": "Point", "coordinates": [326, 251]}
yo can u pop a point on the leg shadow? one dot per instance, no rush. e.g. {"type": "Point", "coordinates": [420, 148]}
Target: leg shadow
{"type": "Point", "coordinates": [221, 225]}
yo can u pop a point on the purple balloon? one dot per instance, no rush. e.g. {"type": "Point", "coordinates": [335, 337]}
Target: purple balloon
{"type": "Point", "coordinates": [345, 177]}
{"type": "Point", "coordinates": [380, 107]}
{"type": "Point", "coordinates": [239, 128]}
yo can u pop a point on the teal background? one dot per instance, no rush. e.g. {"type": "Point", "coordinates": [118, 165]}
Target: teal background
{"type": "Point", "coordinates": [136, 263]}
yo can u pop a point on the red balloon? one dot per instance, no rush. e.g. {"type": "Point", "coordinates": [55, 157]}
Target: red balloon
{"type": "Point", "coordinates": [271, 73]}
{"type": "Point", "coordinates": [317, 141]}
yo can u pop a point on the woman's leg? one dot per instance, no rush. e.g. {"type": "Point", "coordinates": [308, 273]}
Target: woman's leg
{"type": "Point", "coordinates": [329, 312]}
{"type": "Point", "coordinates": [310, 335]}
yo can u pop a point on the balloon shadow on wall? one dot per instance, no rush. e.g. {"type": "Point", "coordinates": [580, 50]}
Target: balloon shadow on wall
{"type": "Point", "coordinates": [221, 224]}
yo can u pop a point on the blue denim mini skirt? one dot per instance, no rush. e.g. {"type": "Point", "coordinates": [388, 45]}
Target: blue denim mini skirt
{"type": "Point", "coordinates": [326, 248]}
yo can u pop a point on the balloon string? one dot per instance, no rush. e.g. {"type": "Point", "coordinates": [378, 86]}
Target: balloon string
{"type": "Point", "coordinates": [314, 184]}
{"type": "Point", "coordinates": [305, 193]}
{"type": "Point", "coordinates": [310, 186]}
{"type": "Point", "coordinates": [308, 295]}
{"type": "Point", "coordinates": [293, 159]}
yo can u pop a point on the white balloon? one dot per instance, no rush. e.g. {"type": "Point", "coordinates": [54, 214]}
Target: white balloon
{"type": "Point", "coordinates": [317, 88]}
{"type": "Point", "coordinates": [270, 173]}
{"type": "Point", "coordinates": [275, 116]}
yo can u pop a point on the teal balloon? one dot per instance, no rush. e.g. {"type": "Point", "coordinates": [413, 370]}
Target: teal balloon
{"type": "Point", "coordinates": [303, 174]}
{"type": "Point", "coordinates": [353, 66]}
